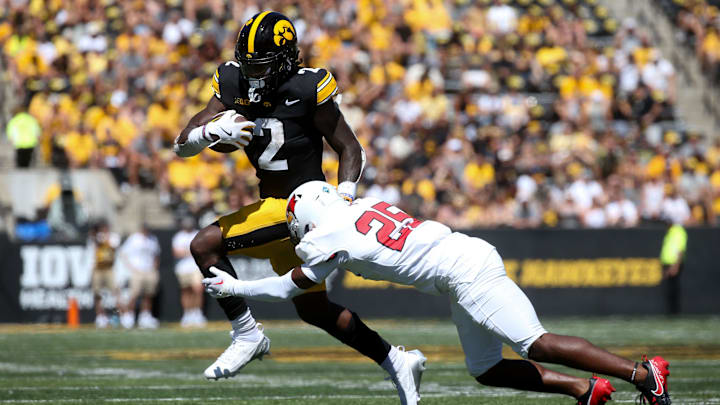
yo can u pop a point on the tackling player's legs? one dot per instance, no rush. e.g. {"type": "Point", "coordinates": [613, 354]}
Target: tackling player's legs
{"type": "Point", "coordinates": [649, 376]}
{"type": "Point", "coordinates": [578, 353]}
{"type": "Point", "coordinates": [492, 309]}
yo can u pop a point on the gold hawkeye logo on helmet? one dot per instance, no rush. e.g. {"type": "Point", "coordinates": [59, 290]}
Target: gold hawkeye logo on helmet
{"type": "Point", "coordinates": [284, 32]}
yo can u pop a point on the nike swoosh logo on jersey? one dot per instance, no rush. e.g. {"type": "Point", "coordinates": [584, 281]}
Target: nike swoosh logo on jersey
{"type": "Point", "coordinates": [289, 103]}
{"type": "Point", "coordinates": [221, 281]}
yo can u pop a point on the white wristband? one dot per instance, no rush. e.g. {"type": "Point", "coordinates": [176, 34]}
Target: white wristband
{"type": "Point", "coordinates": [195, 143]}
{"type": "Point", "coordinates": [348, 188]}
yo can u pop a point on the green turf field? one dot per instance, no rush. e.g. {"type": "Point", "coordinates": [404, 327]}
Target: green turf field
{"type": "Point", "coordinates": [54, 365]}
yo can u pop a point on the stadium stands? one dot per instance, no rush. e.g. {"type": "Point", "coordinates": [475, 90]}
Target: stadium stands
{"type": "Point", "coordinates": [699, 22]}
{"type": "Point", "coordinates": [522, 113]}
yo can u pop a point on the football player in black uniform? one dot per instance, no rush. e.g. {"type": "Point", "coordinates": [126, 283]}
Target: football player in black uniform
{"type": "Point", "coordinates": [287, 111]}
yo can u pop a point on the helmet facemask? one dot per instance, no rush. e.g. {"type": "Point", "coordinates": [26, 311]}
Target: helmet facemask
{"type": "Point", "coordinates": [271, 59]}
{"type": "Point", "coordinates": [263, 75]}
{"type": "Point", "coordinates": [297, 230]}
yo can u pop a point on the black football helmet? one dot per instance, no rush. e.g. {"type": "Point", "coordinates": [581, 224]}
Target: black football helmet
{"type": "Point", "coordinates": [267, 51]}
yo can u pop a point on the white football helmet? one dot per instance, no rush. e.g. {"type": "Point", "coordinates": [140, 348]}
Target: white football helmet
{"type": "Point", "coordinates": [308, 206]}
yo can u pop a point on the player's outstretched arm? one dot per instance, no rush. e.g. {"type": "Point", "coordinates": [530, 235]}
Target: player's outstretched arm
{"type": "Point", "coordinates": [331, 123]}
{"type": "Point", "coordinates": [266, 289]}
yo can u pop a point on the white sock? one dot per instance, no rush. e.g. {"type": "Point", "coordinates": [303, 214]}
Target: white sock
{"type": "Point", "coordinates": [245, 327]}
{"type": "Point", "coordinates": [393, 361]}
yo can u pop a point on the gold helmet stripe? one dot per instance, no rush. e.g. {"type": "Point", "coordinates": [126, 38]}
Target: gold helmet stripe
{"type": "Point", "coordinates": [253, 30]}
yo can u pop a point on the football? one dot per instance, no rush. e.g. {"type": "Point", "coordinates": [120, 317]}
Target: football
{"type": "Point", "coordinates": [226, 147]}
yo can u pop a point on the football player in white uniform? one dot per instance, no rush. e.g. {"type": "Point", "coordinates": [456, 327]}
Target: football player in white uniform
{"type": "Point", "coordinates": [378, 241]}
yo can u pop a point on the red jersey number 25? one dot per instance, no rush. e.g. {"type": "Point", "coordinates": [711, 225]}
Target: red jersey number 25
{"type": "Point", "coordinates": [391, 234]}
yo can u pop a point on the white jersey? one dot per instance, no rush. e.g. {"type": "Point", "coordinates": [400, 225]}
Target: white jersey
{"type": "Point", "coordinates": [375, 240]}
{"type": "Point", "coordinates": [378, 241]}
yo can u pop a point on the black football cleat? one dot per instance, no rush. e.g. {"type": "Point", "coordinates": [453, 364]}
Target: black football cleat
{"type": "Point", "coordinates": [654, 389]}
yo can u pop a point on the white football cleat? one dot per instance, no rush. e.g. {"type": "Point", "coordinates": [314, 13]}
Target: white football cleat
{"type": "Point", "coordinates": [237, 355]}
{"type": "Point", "coordinates": [407, 377]}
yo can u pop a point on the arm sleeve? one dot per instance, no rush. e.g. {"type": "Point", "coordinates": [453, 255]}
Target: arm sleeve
{"type": "Point", "coordinates": [318, 246]}
{"type": "Point", "coordinates": [268, 289]}
{"type": "Point", "coordinates": [319, 272]}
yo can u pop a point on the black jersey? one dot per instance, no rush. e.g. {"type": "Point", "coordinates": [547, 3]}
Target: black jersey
{"type": "Point", "coordinates": [286, 148]}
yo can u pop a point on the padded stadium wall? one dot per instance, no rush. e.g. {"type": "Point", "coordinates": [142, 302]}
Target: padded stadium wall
{"type": "Point", "coordinates": [564, 272]}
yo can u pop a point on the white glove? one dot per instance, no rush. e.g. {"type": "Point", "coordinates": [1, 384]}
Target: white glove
{"type": "Point", "coordinates": [223, 129]}
{"type": "Point", "coordinates": [220, 286]}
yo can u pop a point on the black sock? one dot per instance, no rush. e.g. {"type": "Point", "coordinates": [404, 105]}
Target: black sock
{"type": "Point", "coordinates": [365, 340]}
{"type": "Point", "coordinates": [232, 306]}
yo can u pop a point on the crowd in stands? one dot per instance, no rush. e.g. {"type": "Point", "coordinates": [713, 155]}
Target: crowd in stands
{"type": "Point", "coordinates": [522, 113]}
{"type": "Point", "coordinates": [699, 22]}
